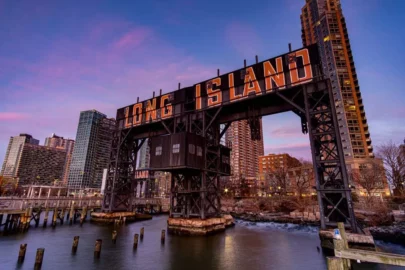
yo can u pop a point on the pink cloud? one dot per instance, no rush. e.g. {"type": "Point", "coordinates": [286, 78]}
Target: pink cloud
{"type": "Point", "coordinates": [298, 150]}
{"type": "Point", "coordinates": [11, 116]}
{"type": "Point", "coordinates": [286, 132]}
{"type": "Point", "coordinates": [133, 38]}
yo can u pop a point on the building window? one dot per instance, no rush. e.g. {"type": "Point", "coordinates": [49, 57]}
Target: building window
{"type": "Point", "coordinates": [199, 151]}
{"type": "Point", "coordinates": [158, 151]}
{"type": "Point", "coordinates": [191, 149]}
{"type": "Point", "coordinates": [176, 148]}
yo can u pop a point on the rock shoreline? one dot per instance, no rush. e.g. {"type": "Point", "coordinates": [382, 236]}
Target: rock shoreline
{"type": "Point", "coordinates": [273, 217]}
{"type": "Point", "coordinates": [394, 233]}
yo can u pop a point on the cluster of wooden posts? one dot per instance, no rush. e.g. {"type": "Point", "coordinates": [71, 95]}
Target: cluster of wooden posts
{"type": "Point", "coordinates": [20, 221]}
{"type": "Point", "coordinates": [97, 247]}
{"type": "Point", "coordinates": [343, 254]}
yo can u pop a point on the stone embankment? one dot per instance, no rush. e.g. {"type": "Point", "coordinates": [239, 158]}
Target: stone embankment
{"type": "Point", "coordinates": [394, 233]}
{"type": "Point", "coordinates": [309, 216]}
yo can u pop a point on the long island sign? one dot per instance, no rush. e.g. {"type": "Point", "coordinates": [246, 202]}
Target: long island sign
{"type": "Point", "coordinates": [282, 72]}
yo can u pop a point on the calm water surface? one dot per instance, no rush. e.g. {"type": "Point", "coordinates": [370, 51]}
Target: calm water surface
{"type": "Point", "coordinates": [246, 246]}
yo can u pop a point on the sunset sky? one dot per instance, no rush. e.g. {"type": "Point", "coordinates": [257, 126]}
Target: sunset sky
{"type": "Point", "coordinates": [58, 58]}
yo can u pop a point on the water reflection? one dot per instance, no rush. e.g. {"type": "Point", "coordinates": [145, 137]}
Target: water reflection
{"type": "Point", "coordinates": [246, 246]}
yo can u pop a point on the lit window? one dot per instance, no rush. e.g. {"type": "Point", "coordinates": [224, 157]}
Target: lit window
{"type": "Point", "coordinates": [176, 148]}
{"type": "Point", "coordinates": [327, 38]}
{"type": "Point", "coordinates": [158, 151]}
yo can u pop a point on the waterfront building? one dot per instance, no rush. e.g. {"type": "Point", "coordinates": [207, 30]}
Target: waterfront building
{"type": "Point", "coordinates": [244, 154]}
{"type": "Point", "coordinates": [91, 154]}
{"type": "Point", "coordinates": [271, 162]}
{"type": "Point", "coordinates": [66, 144]}
{"type": "Point", "coordinates": [40, 165]}
{"type": "Point", "coordinates": [323, 23]}
{"type": "Point", "coordinates": [13, 154]}
{"type": "Point", "coordinates": [370, 170]}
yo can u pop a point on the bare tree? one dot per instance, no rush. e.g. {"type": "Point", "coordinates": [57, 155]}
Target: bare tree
{"type": "Point", "coordinates": [394, 162]}
{"type": "Point", "coordinates": [279, 179]}
{"type": "Point", "coordinates": [304, 177]}
{"type": "Point", "coordinates": [370, 177]}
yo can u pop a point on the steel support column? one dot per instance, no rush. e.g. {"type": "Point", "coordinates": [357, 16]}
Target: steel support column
{"type": "Point", "coordinates": [334, 194]}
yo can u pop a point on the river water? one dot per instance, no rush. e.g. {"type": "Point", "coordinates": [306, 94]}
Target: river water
{"type": "Point", "coordinates": [246, 246]}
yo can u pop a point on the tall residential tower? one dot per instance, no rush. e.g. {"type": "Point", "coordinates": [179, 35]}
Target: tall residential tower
{"type": "Point", "coordinates": [323, 23]}
{"type": "Point", "coordinates": [91, 153]}
{"type": "Point", "coordinates": [245, 152]}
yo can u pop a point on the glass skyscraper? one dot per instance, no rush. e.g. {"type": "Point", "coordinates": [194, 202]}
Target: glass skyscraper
{"type": "Point", "coordinates": [92, 149]}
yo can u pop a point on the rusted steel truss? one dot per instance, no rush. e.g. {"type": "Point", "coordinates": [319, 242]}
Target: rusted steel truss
{"type": "Point", "coordinates": [196, 193]}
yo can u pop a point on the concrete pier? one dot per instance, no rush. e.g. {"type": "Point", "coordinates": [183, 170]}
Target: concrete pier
{"type": "Point", "coordinates": [110, 218]}
{"type": "Point", "coordinates": [188, 226]}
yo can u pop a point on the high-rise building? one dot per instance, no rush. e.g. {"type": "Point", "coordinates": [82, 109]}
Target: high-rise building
{"type": "Point", "coordinates": [91, 153]}
{"type": "Point", "coordinates": [323, 23]}
{"type": "Point", "coordinates": [144, 156]}
{"type": "Point", "coordinates": [66, 144]}
{"type": "Point", "coordinates": [245, 152]}
{"type": "Point", "coordinates": [40, 165]}
{"type": "Point", "coordinates": [13, 153]}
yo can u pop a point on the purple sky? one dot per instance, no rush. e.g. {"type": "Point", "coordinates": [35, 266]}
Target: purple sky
{"type": "Point", "coordinates": [60, 57]}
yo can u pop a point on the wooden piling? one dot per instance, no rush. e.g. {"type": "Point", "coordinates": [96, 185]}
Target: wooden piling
{"type": "Point", "coordinates": [62, 215]}
{"type": "Point", "coordinates": [24, 220]}
{"type": "Point", "coordinates": [163, 236]}
{"type": "Point", "coordinates": [335, 263]}
{"type": "Point", "coordinates": [142, 232]}
{"type": "Point", "coordinates": [71, 214]}
{"type": "Point", "coordinates": [83, 215]}
{"type": "Point", "coordinates": [37, 217]}
{"type": "Point", "coordinates": [97, 248]}
{"type": "Point", "coordinates": [342, 231]}
{"type": "Point", "coordinates": [75, 244]}
{"type": "Point", "coordinates": [136, 236]}
{"type": "Point", "coordinates": [21, 253]}
{"type": "Point", "coordinates": [29, 215]}
{"type": "Point", "coordinates": [114, 236]}
{"type": "Point", "coordinates": [39, 258]}
{"type": "Point", "coordinates": [21, 226]}
{"type": "Point", "coordinates": [6, 223]}
{"type": "Point", "coordinates": [46, 216]}
{"type": "Point", "coordinates": [55, 217]}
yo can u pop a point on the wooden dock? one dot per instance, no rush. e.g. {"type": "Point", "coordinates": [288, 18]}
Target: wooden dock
{"type": "Point", "coordinates": [16, 214]}
{"type": "Point", "coordinates": [343, 254]}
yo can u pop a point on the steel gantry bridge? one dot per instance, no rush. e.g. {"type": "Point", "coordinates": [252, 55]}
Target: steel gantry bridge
{"type": "Point", "coordinates": [185, 128]}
